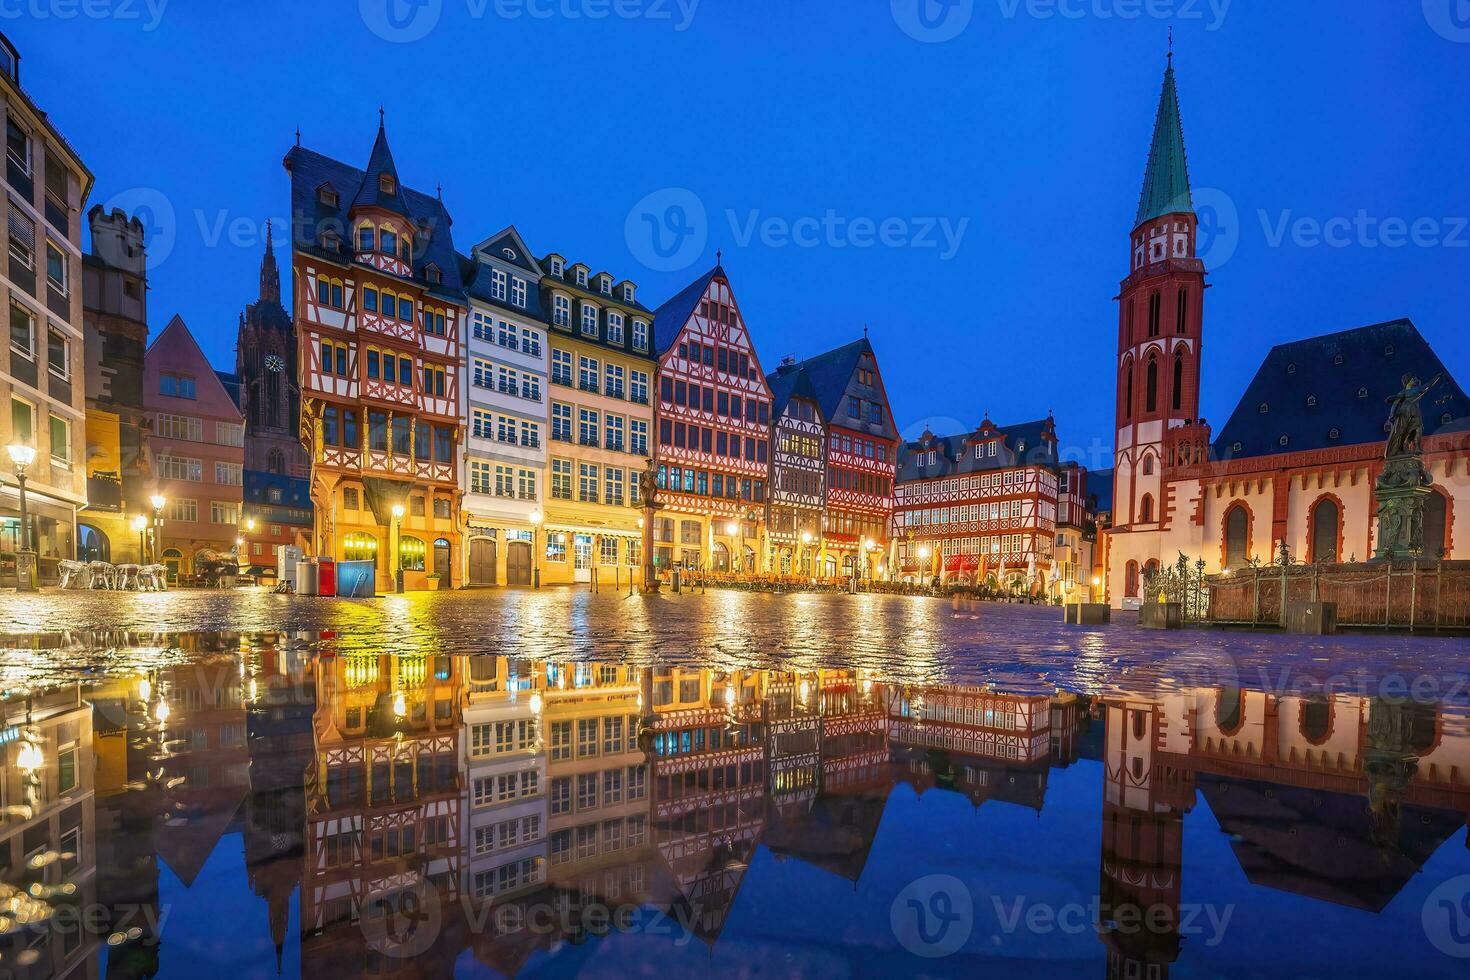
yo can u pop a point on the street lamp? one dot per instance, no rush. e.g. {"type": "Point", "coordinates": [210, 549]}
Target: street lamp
{"type": "Point", "coordinates": [22, 456]}
{"type": "Point", "coordinates": [158, 501]}
{"type": "Point", "coordinates": [140, 524]}
{"type": "Point", "coordinates": [536, 518]}
{"type": "Point", "coordinates": [397, 550]}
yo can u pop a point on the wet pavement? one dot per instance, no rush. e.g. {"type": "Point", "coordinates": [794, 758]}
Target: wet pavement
{"type": "Point", "coordinates": [555, 783]}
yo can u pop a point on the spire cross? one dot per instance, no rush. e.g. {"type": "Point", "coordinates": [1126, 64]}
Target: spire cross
{"type": "Point", "coordinates": [380, 117]}
{"type": "Point", "coordinates": [719, 256]}
{"type": "Point", "coordinates": [1171, 45]}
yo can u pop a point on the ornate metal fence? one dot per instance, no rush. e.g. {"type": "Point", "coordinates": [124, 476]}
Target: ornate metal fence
{"type": "Point", "coordinates": [1183, 583]}
{"type": "Point", "coordinates": [1412, 595]}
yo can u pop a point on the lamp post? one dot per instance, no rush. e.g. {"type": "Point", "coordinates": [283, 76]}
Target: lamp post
{"type": "Point", "coordinates": [397, 551]}
{"type": "Point", "coordinates": [22, 456]}
{"type": "Point", "coordinates": [806, 543]}
{"type": "Point", "coordinates": [536, 518]}
{"type": "Point", "coordinates": [732, 529]}
{"type": "Point", "coordinates": [140, 524]}
{"type": "Point", "coordinates": [158, 502]}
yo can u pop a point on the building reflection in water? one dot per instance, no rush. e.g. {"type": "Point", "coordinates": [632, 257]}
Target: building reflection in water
{"type": "Point", "coordinates": [424, 808]}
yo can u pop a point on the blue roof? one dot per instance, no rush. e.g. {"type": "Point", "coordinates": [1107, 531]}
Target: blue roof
{"type": "Point", "coordinates": [380, 163]}
{"type": "Point", "coordinates": [1332, 391]}
{"type": "Point", "coordinates": [310, 170]}
{"type": "Point", "coordinates": [831, 372]}
{"type": "Point", "coordinates": [231, 383]}
{"type": "Point", "coordinates": [1166, 177]}
{"type": "Point", "coordinates": [1028, 444]}
{"type": "Point", "coordinates": [669, 319]}
{"type": "Point", "coordinates": [295, 491]}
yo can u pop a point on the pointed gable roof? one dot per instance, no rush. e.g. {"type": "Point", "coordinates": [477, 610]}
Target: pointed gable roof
{"type": "Point", "coordinates": [830, 373]}
{"type": "Point", "coordinates": [1338, 382]}
{"type": "Point", "coordinates": [1166, 178]}
{"type": "Point", "coordinates": [175, 348]}
{"type": "Point", "coordinates": [380, 164]}
{"type": "Point", "coordinates": [669, 319]}
{"type": "Point", "coordinates": [787, 382]}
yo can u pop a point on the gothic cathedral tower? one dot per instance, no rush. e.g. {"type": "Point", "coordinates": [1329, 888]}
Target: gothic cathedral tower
{"type": "Point", "coordinates": [1158, 368]}
{"type": "Point", "coordinates": [265, 360]}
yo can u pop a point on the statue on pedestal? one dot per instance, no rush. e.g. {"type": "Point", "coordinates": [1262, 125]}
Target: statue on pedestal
{"type": "Point", "coordinates": [1404, 483]}
{"type": "Point", "coordinates": [648, 500]}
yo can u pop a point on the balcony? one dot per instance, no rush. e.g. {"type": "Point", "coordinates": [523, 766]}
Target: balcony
{"type": "Point", "coordinates": [638, 399]}
{"type": "Point", "coordinates": [588, 441]}
{"type": "Point", "coordinates": [561, 437]}
{"type": "Point", "coordinates": [614, 392]}
{"type": "Point", "coordinates": [588, 386]}
{"type": "Point", "coordinates": [615, 445]}
{"type": "Point", "coordinates": [565, 380]}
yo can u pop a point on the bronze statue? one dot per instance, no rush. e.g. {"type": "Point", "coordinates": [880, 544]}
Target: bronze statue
{"type": "Point", "coordinates": [648, 487]}
{"type": "Point", "coordinates": [1406, 420]}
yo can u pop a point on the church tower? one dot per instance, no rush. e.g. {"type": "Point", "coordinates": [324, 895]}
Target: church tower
{"type": "Point", "coordinates": [1160, 318]}
{"type": "Point", "coordinates": [265, 361]}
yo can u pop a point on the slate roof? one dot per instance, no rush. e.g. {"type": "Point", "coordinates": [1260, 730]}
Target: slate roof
{"type": "Point", "coordinates": [831, 372]}
{"type": "Point", "coordinates": [370, 193]}
{"type": "Point", "coordinates": [1022, 444]}
{"type": "Point", "coordinates": [231, 383]}
{"type": "Point", "coordinates": [295, 491]}
{"type": "Point", "coordinates": [477, 278]}
{"type": "Point", "coordinates": [310, 170]}
{"type": "Point", "coordinates": [1339, 382]}
{"type": "Point", "coordinates": [787, 382]}
{"type": "Point", "coordinates": [669, 319]}
{"type": "Point", "coordinates": [1166, 178]}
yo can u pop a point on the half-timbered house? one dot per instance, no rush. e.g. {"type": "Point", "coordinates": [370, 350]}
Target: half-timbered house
{"type": "Point", "coordinates": [602, 368]}
{"type": "Point", "coordinates": [505, 393]}
{"type": "Point", "coordinates": [379, 311]}
{"type": "Point", "coordinates": [861, 455]}
{"type": "Point", "coordinates": [981, 506]}
{"type": "Point", "coordinates": [797, 493]}
{"type": "Point", "coordinates": [714, 415]}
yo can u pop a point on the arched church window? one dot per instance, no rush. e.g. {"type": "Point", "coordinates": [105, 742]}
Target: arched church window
{"type": "Point", "coordinates": [1237, 531]}
{"type": "Point", "coordinates": [1151, 385]}
{"type": "Point", "coordinates": [275, 461]}
{"type": "Point", "coordinates": [1435, 524]}
{"type": "Point", "coordinates": [1178, 382]}
{"type": "Point", "coordinates": [1326, 524]}
{"type": "Point", "coordinates": [1146, 509]}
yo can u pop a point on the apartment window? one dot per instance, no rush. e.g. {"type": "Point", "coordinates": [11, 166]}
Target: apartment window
{"type": "Point", "coordinates": [640, 335]}
{"type": "Point", "coordinates": [224, 512]}
{"type": "Point", "coordinates": [518, 291]}
{"type": "Point", "coordinates": [530, 434]}
{"type": "Point", "coordinates": [612, 787]}
{"type": "Point", "coordinates": [57, 350]}
{"type": "Point", "coordinates": [589, 320]}
{"type": "Point", "coordinates": [586, 790]}
{"type": "Point", "coordinates": [479, 477]}
{"type": "Point", "coordinates": [587, 373]}
{"type": "Point", "coordinates": [614, 380]}
{"type": "Point", "coordinates": [18, 146]}
{"type": "Point", "coordinates": [614, 327]}
{"type": "Point", "coordinates": [22, 239]}
{"type": "Point", "coordinates": [587, 483]}
{"type": "Point", "coordinates": [60, 441]}
{"type": "Point", "coordinates": [497, 284]}
{"type": "Point", "coordinates": [608, 549]}
{"type": "Point", "coordinates": [561, 795]}
{"type": "Point", "coordinates": [612, 728]}
{"type": "Point", "coordinates": [587, 427]}
{"type": "Point", "coordinates": [56, 276]}
{"type": "Point", "coordinates": [526, 484]}
{"type": "Point", "coordinates": [227, 474]}
{"type": "Point", "coordinates": [613, 486]}
{"type": "Point", "coordinates": [561, 483]}
{"type": "Point", "coordinates": [638, 436]}
{"type": "Point", "coordinates": [182, 510]}
{"type": "Point", "coordinates": [482, 424]}
{"type": "Point", "coordinates": [22, 331]}
{"type": "Point", "coordinates": [179, 468]}
{"type": "Point", "coordinates": [229, 433]}
{"type": "Point", "coordinates": [561, 311]}
{"type": "Point", "coordinates": [614, 431]}
{"type": "Point", "coordinates": [561, 422]}
{"type": "Point", "coordinates": [176, 385]}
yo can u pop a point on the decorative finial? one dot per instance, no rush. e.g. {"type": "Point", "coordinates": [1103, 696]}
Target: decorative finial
{"type": "Point", "coordinates": [439, 190]}
{"type": "Point", "coordinates": [298, 135]}
{"type": "Point", "coordinates": [380, 116]}
{"type": "Point", "coordinates": [1171, 45]}
{"type": "Point", "coordinates": [865, 330]}
{"type": "Point", "coordinates": [719, 256]}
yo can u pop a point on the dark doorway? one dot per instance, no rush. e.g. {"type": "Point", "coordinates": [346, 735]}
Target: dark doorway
{"type": "Point", "coordinates": [518, 563]}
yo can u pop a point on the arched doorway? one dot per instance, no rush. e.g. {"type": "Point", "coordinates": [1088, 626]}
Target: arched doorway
{"type": "Point", "coordinates": [444, 562]}
{"type": "Point", "coordinates": [1237, 536]}
{"type": "Point", "coordinates": [1326, 528]}
{"type": "Point", "coordinates": [720, 557]}
{"type": "Point", "coordinates": [92, 544]}
{"type": "Point", "coordinates": [518, 563]}
{"type": "Point", "coordinates": [1435, 521]}
{"type": "Point", "coordinates": [482, 561]}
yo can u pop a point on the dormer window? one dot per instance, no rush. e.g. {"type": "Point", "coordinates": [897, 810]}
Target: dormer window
{"type": "Point", "coordinates": [1334, 433]}
{"type": "Point", "coordinates": [1291, 368]}
{"type": "Point", "coordinates": [1362, 392]}
{"type": "Point", "coordinates": [327, 196]}
{"type": "Point", "coordinates": [556, 268]}
{"type": "Point", "coordinates": [518, 291]}
{"type": "Point", "coordinates": [605, 285]}
{"type": "Point", "coordinates": [497, 284]}
{"type": "Point", "coordinates": [1388, 351]}
{"type": "Point", "coordinates": [1311, 401]}
{"type": "Point", "coordinates": [1284, 440]}
{"type": "Point", "coordinates": [1264, 408]}
{"type": "Point", "coordinates": [582, 278]}
{"type": "Point", "coordinates": [433, 275]}
{"type": "Point", "coordinates": [1337, 359]}
{"type": "Point", "coordinates": [627, 292]}
{"type": "Point", "coordinates": [385, 183]}
{"type": "Point", "coordinates": [1021, 446]}
{"type": "Point", "coordinates": [331, 241]}
{"type": "Point", "coordinates": [1446, 419]}
{"type": "Point", "coordinates": [1235, 447]}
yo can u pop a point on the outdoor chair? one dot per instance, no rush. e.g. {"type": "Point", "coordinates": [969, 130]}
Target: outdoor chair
{"type": "Point", "coordinates": [153, 578]}
{"type": "Point", "coordinates": [74, 574]}
{"type": "Point", "coordinates": [104, 575]}
{"type": "Point", "coordinates": [128, 577]}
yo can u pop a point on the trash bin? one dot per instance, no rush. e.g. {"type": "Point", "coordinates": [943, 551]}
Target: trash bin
{"type": "Point", "coordinates": [326, 577]}
{"type": "Point", "coordinates": [307, 577]}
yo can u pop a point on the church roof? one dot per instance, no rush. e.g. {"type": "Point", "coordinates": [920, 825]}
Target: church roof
{"type": "Point", "coordinates": [1029, 443]}
{"type": "Point", "coordinates": [1166, 178]}
{"type": "Point", "coordinates": [669, 319]}
{"type": "Point", "coordinates": [1332, 391]}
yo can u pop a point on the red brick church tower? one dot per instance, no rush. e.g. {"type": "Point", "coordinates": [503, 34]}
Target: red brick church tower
{"type": "Point", "coordinates": [1160, 321]}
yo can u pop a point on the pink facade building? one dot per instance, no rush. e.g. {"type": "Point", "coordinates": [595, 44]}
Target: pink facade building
{"type": "Point", "coordinates": [197, 450]}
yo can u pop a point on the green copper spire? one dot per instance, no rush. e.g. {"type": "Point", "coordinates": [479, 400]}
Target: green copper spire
{"type": "Point", "coordinates": [1166, 181]}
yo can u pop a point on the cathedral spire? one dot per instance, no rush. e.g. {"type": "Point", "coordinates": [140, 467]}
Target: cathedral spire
{"type": "Point", "coordinates": [270, 276]}
{"type": "Point", "coordinates": [1166, 179]}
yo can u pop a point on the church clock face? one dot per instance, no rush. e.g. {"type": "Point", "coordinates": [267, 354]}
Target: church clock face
{"type": "Point", "coordinates": [274, 362]}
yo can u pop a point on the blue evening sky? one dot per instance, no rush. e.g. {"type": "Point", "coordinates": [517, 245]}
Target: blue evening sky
{"type": "Point", "coordinates": [1024, 135]}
